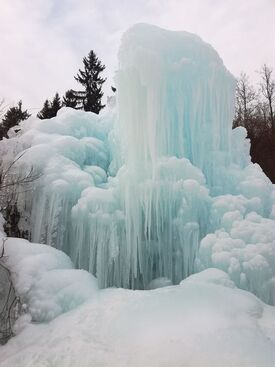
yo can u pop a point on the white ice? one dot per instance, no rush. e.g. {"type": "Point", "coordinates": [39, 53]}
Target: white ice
{"type": "Point", "coordinates": [204, 321]}
{"type": "Point", "coordinates": [159, 186]}
{"type": "Point", "coordinates": [45, 279]}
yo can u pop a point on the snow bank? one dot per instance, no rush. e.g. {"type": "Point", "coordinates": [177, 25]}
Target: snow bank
{"type": "Point", "coordinates": [202, 322]}
{"type": "Point", "coordinates": [45, 280]}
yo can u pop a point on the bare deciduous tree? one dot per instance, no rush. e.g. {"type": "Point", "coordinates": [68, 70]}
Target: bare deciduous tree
{"type": "Point", "coordinates": [10, 304]}
{"type": "Point", "coordinates": [267, 86]}
{"type": "Point", "coordinates": [255, 111]}
{"type": "Point", "coordinates": [12, 184]}
{"type": "Point", "coordinates": [245, 99]}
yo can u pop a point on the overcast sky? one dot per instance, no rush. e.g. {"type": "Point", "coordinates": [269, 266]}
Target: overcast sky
{"type": "Point", "coordinates": [42, 42]}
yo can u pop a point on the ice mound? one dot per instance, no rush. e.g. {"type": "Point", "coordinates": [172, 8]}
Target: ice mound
{"type": "Point", "coordinates": [211, 275]}
{"type": "Point", "coordinates": [159, 186]}
{"type": "Point", "coordinates": [245, 249]}
{"type": "Point", "coordinates": [45, 280]}
{"type": "Point", "coordinates": [198, 323]}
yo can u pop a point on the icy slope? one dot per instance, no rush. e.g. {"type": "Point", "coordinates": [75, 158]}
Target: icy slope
{"type": "Point", "coordinates": [160, 186]}
{"type": "Point", "coordinates": [202, 322]}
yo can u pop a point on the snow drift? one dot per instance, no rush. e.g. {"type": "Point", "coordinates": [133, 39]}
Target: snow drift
{"type": "Point", "coordinates": [204, 321]}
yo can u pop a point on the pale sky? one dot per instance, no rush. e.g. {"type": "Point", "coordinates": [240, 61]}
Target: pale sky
{"type": "Point", "coordinates": [42, 42]}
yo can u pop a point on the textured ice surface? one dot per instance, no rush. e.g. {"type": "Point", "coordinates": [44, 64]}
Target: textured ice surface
{"type": "Point", "coordinates": [45, 280]}
{"type": "Point", "coordinates": [203, 322]}
{"type": "Point", "coordinates": [245, 249]}
{"type": "Point", "coordinates": [159, 186]}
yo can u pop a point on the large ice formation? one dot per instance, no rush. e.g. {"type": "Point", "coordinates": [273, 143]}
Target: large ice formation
{"type": "Point", "coordinates": [158, 187]}
{"type": "Point", "coordinates": [201, 322]}
{"type": "Point", "coordinates": [204, 321]}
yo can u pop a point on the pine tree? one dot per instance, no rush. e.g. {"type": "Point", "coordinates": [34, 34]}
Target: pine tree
{"type": "Point", "coordinates": [56, 104]}
{"type": "Point", "coordinates": [90, 79]}
{"type": "Point", "coordinates": [45, 113]}
{"type": "Point", "coordinates": [50, 109]}
{"type": "Point", "coordinates": [12, 117]}
{"type": "Point", "coordinates": [70, 100]}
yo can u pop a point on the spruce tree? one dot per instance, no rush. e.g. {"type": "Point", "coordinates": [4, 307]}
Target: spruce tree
{"type": "Point", "coordinates": [70, 100]}
{"type": "Point", "coordinates": [12, 117]}
{"type": "Point", "coordinates": [56, 104]}
{"type": "Point", "coordinates": [90, 79]}
{"type": "Point", "coordinates": [45, 113]}
{"type": "Point", "coordinates": [50, 109]}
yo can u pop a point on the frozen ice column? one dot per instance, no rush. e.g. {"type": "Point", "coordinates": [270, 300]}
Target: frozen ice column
{"type": "Point", "coordinates": [175, 103]}
{"type": "Point", "coordinates": [175, 97]}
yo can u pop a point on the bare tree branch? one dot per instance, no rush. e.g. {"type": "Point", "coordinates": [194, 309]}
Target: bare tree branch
{"type": "Point", "coordinates": [267, 86]}
{"type": "Point", "coordinates": [11, 304]}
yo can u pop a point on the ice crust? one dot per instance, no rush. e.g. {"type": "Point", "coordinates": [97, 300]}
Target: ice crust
{"type": "Point", "coordinates": [45, 280]}
{"type": "Point", "coordinates": [203, 322]}
{"type": "Point", "coordinates": [159, 186]}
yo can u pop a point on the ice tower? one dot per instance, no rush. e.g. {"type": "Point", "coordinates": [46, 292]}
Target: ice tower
{"type": "Point", "coordinates": [160, 186]}
{"type": "Point", "coordinates": [175, 98]}
{"type": "Point", "coordinates": [175, 110]}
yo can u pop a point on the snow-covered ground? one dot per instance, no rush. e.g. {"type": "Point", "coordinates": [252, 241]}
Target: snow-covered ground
{"type": "Point", "coordinates": [204, 321]}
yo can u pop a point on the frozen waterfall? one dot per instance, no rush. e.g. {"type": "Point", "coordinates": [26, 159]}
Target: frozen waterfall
{"type": "Point", "coordinates": [159, 186]}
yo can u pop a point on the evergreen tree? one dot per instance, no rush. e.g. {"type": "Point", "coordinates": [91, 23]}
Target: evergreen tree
{"type": "Point", "coordinates": [70, 100]}
{"type": "Point", "coordinates": [90, 79]}
{"type": "Point", "coordinates": [12, 117]}
{"type": "Point", "coordinates": [45, 113]}
{"type": "Point", "coordinates": [56, 104]}
{"type": "Point", "coordinates": [50, 109]}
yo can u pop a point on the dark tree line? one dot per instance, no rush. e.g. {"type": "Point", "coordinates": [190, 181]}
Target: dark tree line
{"type": "Point", "coordinates": [88, 99]}
{"type": "Point", "coordinates": [50, 108]}
{"type": "Point", "coordinates": [255, 111]}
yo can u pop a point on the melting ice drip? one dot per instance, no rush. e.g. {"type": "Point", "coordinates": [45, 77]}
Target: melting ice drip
{"type": "Point", "coordinates": [129, 194]}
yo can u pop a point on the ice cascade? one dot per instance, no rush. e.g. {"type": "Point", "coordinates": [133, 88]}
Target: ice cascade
{"type": "Point", "coordinates": [158, 187]}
